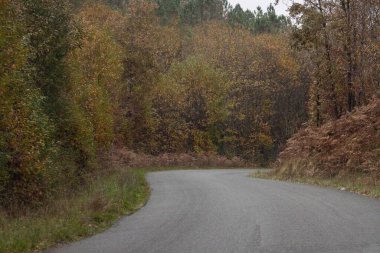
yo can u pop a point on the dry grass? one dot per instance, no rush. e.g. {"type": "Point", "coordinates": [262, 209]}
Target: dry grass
{"type": "Point", "coordinates": [139, 160]}
{"type": "Point", "coordinates": [70, 217]}
{"type": "Point", "coordinates": [366, 185]}
{"type": "Point", "coordinates": [344, 153]}
{"type": "Point", "coordinates": [338, 149]}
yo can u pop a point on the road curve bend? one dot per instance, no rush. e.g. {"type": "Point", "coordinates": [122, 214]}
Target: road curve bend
{"type": "Point", "coordinates": [225, 211]}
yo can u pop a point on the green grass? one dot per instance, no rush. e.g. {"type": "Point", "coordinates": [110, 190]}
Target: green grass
{"type": "Point", "coordinates": [364, 185]}
{"type": "Point", "coordinates": [108, 197]}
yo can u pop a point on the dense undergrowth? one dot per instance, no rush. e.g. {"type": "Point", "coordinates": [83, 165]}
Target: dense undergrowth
{"type": "Point", "coordinates": [204, 160]}
{"type": "Point", "coordinates": [341, 153]}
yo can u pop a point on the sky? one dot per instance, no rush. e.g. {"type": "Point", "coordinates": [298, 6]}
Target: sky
{"type": "Point", "coordinates": [281, 8]}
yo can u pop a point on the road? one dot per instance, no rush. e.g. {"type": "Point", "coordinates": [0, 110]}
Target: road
{"type": "Point", "coordinates": [225, 211]}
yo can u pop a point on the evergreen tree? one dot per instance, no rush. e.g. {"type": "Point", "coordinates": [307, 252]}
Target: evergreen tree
{"type": "Point", "coordinates": [258, 21]}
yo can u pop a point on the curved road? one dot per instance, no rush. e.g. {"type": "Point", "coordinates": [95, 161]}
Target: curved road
{"type": "Point", "coordinates": [224, 211]}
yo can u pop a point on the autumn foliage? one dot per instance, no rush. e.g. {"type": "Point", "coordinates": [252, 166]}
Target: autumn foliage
{"type": "Point", "coordinates": [341, 42]}
{"type": "Point", "coordinates": [131, 159]}
{"type": "Point", "coordinates": [184, 79]}
{"type": "Point", "coordinates": [348, 146]}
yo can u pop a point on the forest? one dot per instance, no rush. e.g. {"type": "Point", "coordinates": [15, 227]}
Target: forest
{"type": "Point", "coordinates": [81, 78]}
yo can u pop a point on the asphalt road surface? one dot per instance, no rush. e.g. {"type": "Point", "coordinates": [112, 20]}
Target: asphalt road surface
{"type": "Point", "coordinates": [225, 211]}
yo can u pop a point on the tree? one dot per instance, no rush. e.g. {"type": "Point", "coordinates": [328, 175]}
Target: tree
{"type": "Point", "coordinates": [338, 34]}
{"type": "Point", "coordinates": [190, 106]}
{"type": "Point", "coordinates": [150, 50]}
{"type": "Point", "coordinates": [169, 10]}
{"type": "Point", "coordinates": [197, 11]}
{"type": "Point", "coordinates": [51, 33]}
{"type": "Point", "coordinates": [258, 21]}
{"type": "Point", "coordinates": [26, 145]}
{"type": "Point", "coordinates": [261, 68]}
{"type": "Point", "coordinates": [96, 70]}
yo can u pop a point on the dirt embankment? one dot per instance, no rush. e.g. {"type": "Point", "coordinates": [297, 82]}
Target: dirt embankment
{"type": "Point", "coordinates": [347, 146]}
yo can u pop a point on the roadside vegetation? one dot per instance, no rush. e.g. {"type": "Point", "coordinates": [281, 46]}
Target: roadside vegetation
{"type": "Point", "coordinates": [71, 216]}
{"type": "Point", "coordinates": [174, 83]}
{"type": "Point", "coordinates": [159, 83]}
{"type": "Point", "coordinates": [117, 190]}
{"type": "Point", "coordinates": [343, 153]}
{"type": "Point", "coordinates": [79, 79]}
{"type": "Point", "coordinates": [340, 144]}
{"type": "Point", "coordinates": [356, 183]}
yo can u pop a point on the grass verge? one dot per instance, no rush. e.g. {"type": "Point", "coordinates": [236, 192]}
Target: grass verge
{"type": "Point", "coordinates": [360, 184]}
{"type": "Point", "coordinates": [107, 197]}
